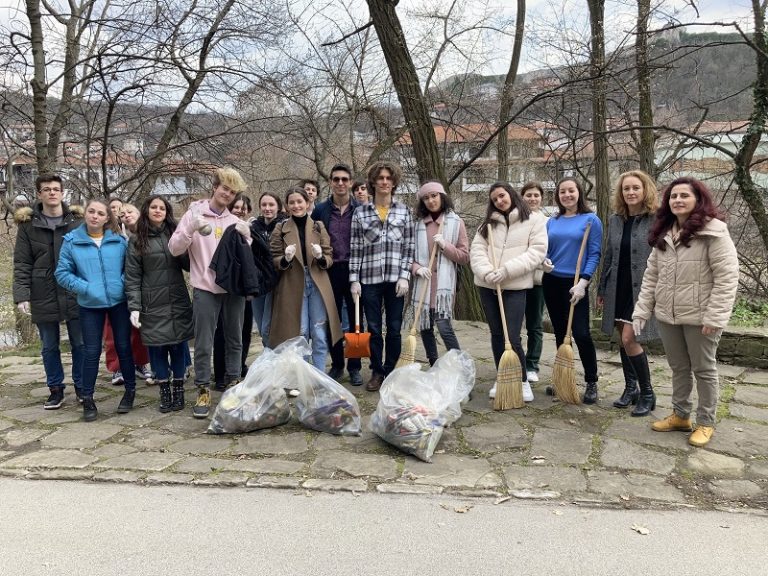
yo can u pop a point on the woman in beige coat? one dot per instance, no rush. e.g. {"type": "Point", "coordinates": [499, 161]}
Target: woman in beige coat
{"type": "Point", "coordinates": [690, 285]}
{"type": "Point", "coordinates": [519, 239]}
{"type": "Point", "coordinates": [303, 301]}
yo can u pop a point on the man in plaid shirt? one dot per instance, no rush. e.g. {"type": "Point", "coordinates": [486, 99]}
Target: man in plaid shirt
{"type": "Point", "coordinates": [381, 252]}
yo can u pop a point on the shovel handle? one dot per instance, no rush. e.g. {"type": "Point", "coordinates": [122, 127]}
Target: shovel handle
{"type": "Point", "coordinates": [357, 313]}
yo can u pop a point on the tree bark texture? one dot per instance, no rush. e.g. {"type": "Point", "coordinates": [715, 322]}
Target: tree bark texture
{"type": "Point", "coordinates": [507, 98]}
{"type": "Point", "coordinates": [645, 106]}
{"type": "Point", "coordinates": [600, 140]}
{"type": "Point", "coordinates": [406, 82]}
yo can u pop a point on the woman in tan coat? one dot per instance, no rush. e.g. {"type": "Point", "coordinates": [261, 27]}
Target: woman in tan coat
{"type": "Point", "coordinates": [519, 239]}
{"type": "Point", "coordinates": [690, 285]}
{"type": "Point", "coordinates": [303, 300]}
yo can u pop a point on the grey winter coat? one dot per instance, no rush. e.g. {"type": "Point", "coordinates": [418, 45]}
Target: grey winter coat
{"type": "Point", "coordinates": [35, 258]}
{"type": "Point", "coordinates": [640, 250]}
{"type": "Point", "coordinates": [154, 285]}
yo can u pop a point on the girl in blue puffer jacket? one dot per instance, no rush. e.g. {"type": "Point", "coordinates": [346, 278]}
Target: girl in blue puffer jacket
{"type": "Point", "coordinates": [91, 265]}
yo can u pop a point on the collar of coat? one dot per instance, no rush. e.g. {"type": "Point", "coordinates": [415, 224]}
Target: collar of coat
{"type": "Point", "coordinates": [28, 213]}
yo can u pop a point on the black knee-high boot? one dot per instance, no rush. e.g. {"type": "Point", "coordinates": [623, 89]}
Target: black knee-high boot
{"type": "Point", "coordinates": [647, 399]}
{"type": "Point", "coordinates": [630, 394]}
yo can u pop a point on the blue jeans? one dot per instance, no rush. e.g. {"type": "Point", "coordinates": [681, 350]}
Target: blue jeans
{"type": "Point", "coordinates": [50, 338]}
{"type": "Point", "coordinates": [158, 359]}
{"type": "Point", "coordinates": [262, 315]}
{"type": "Point", "coordinates": [92, 324]}
{"type": "Point", "coordinates": [373, 297]}
{"type": "Point", "coordinates": [314, 321]}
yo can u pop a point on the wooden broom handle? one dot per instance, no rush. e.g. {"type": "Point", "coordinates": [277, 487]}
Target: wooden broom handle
{"type": "Point", "coordinates": [576, 278]}
{"type": "Point", "coordinates": [498, 287]}
{"type": "Point", "coordinates": [426, 283]}
{"type": "Point", "coordinates": [357, 313]}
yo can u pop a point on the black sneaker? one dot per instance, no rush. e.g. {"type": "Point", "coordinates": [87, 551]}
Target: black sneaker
{"type": "Point", "coordinates": [55, 400]}
{"type": "Point", "coordinates": [220, 386]}
{"type": "Point", "coordinates": [203, 405]}
{"type": "Point", "coordinates": [336, 373]}
{"type": "Point", "coordinates": [355, 378]}
{"type": "Point", "coordinates": [126, 403]}
{"type": "Point", "coordinates": [89, 409]}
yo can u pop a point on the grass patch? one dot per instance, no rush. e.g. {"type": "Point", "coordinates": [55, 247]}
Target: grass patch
{"type": "Point", "coordinates": [727, 392]}
{"type": "Point", "coordinates": [750, 312]}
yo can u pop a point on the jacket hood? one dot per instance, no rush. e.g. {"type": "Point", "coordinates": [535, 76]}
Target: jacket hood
{"type": "Point", "coordinates": [25, 213]}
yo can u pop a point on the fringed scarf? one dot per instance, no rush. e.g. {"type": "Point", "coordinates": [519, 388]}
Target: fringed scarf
{"type": "Point", "coordinates": [446, 271]}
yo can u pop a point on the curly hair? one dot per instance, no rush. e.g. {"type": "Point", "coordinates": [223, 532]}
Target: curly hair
{"type": "Point", "coordinates": [704, 211]}
{"type": "Point", "coordinates": [650, 194]}
{"type": "Point", "coordinates": [373, 172]}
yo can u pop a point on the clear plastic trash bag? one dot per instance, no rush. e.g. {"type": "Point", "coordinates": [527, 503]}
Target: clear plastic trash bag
{"type": "Point", "coordinates": [258, 401]}
{"type": "Point", "coordinates": [415, 406]}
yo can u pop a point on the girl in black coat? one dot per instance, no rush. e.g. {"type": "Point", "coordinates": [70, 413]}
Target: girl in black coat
{"type": "Point", "coordinates": [158, 298]}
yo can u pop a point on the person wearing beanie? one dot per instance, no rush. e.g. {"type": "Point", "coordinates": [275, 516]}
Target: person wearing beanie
{"type": "Point", "coordinates": [437, 224]}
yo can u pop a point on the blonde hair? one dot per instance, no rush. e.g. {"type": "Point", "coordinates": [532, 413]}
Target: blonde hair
{"type": "Point", "coordinates": [230, 178]}
{"type": "Point", "coordinates": [650, 194]}
{"type": "Point", "coordinates": [130, 207]}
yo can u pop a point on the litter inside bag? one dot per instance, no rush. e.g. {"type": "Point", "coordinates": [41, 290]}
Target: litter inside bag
{"type": "Point", "coordinates": [415, 406]}
{"type": "Point", "coordinates": [257, 402]}
{"type": "Point", "coordinates": [323, 404]}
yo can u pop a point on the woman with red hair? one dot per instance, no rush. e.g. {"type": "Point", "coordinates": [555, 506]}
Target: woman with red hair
{"type": "Point", "coordinates": [690, 286]}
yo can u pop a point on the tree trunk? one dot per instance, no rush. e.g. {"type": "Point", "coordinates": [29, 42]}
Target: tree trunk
{"type": "Point", "coordinates": [406, 81]}
{"type": "Point", "coordinates": [755, 198]}
{"type": "Point", "coordinates": [600, 140]}
{"type": "Point", "coordinates": [39, 89]}
{"type": "Point", "coordinates": [645, 106]}
{"type": "Point", "coordinates": [507, 99]}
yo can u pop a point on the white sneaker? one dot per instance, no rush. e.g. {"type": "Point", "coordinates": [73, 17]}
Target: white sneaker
{"type": "Point", "coordinates": [527, 392]}
{"type": "Point", "coordinates": [533, 376]}
{"type": "Point", "coordinates": [492, 393]}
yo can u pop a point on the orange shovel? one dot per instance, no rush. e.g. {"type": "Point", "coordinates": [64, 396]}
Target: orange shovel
{"type": "Point", "coordinates": [357, 344]}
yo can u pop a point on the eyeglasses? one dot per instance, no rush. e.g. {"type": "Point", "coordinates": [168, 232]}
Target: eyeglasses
{"type": "Point", "coordinates": [338, 179]}
{"type": "Point", "coordinates": [50, 189]}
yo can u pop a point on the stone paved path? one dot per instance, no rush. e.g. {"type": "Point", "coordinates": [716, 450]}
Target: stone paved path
{"type": "Point", "coordinates": [547, 450]}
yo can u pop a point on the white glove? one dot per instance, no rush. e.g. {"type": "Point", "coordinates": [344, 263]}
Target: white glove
{"type": "Point", "coordinates": [243, 229]}
{"type": "Point", "coordinates": [424, 272]}
{"type": "Point", "coordinates": [317, 251]}
{"type": "Point", "coordinates": [439, 240]}
{"type": "Point", "coordinates": [401, 288]}
{"type": "Point", "coordinates": [23, 307]}
{"type": "Point", "coordinates": [135, 319]}
{"type": "Point", "coordinates": [202, 226]}
{"type": "Point", "coordinates": [579, 291]}
{"type": "Point", "coordinates": [547, 265]}
{"type": "Point", "coordinates": [356, 289]}
{"type": "Point", "coordinates": [637, 326]}
{"type": "Point", "coordinates": [290, 252]}
{"type": "Point", "coordinates": [495, 277]}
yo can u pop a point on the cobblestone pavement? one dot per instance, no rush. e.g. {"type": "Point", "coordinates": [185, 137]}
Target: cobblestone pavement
{"type": "Point", "coordinates": [588, 454]}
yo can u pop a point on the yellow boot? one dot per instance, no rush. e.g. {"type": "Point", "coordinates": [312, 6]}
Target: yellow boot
{"type": "Point", "coordinates": [673, 422]}
{"type": "Point", "coordinates": [701, 436]}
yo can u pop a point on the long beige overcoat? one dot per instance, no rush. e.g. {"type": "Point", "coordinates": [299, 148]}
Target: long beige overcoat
{"type": "Point", "coordinates": [287, 297]}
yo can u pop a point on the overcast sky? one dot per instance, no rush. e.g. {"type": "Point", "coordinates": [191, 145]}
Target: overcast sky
{"type": "Point", "coordinates": [619, 17]}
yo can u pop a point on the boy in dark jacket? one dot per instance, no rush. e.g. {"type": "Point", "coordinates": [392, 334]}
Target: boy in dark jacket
{"type": "Point", "coordinates": [35, 290]}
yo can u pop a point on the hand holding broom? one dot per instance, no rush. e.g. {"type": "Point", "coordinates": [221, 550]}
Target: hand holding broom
{"type": "Point", "coordinates": [509, 379]}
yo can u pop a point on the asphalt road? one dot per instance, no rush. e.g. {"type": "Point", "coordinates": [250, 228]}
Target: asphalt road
{"type": "Point", "coordinates": [71, 528]}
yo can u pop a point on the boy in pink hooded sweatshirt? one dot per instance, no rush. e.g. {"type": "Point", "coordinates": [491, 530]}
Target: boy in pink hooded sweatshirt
{"type": "Point", "coordinates": [198, 234]}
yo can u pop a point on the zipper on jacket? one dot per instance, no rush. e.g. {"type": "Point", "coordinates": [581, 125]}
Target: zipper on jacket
{"type": "Point", "coordinates": [104, 277]}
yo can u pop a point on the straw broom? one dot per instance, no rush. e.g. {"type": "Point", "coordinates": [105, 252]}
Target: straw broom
{"type": "Point", "coordinates": [509, 378]}
{"type": "Point", "coordinates": [564, 371]}
{"type": "Point", "coordinates": [408, 351]}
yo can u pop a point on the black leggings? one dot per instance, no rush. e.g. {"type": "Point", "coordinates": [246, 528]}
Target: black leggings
{"type": "Point", "coordinates": [558, 301]}
{"type": "Point", "coordinates": [514, 308]}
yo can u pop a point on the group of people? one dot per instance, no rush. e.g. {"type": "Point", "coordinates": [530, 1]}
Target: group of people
{"type": "Point", "coordinates": [303, 266]}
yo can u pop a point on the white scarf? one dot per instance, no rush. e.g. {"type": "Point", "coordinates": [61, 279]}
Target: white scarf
{"type": "Point", "coordinates": [446, 271]}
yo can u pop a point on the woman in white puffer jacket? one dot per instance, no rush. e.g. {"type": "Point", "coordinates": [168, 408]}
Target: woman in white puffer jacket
{"type": "Point", "coordinates": [519, 239]}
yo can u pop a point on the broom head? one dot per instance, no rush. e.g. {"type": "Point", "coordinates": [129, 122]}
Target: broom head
{"type": "Point", "coordinates": [564, 374]}
{"type": "Point", "coordinates": [509, 386]}
{"type": "Point", "coordinates": [408, 352]}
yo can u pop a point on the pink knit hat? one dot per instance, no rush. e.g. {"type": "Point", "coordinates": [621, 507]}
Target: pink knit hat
{"type": "Point", "coordinates": [428, 188]}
